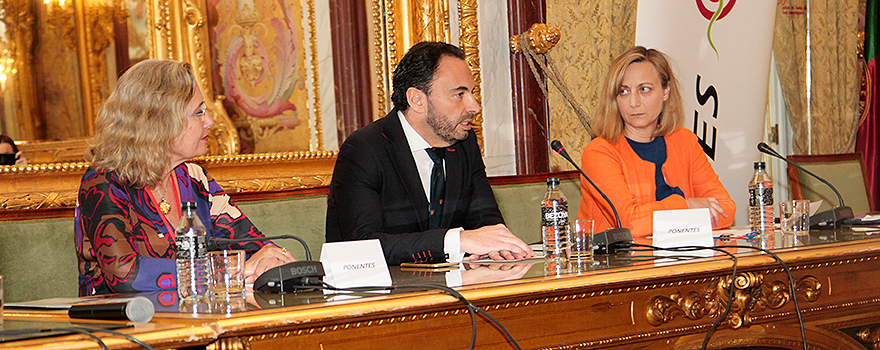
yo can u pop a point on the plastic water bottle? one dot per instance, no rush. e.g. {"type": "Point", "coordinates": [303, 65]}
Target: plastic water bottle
{"type": "Point", "coordinates": [761, 205]}
{"type": "Point", "coordinates": [554, 222]}
{"type": "Point", "coordinates": [192, 257]}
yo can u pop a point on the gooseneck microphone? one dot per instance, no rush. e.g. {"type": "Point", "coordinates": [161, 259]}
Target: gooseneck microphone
{"type": "Point", "coordinates": [829, 217]}
{"type": "Point", "coordinates": [215, 243]}
{"type": "Point", "coordinates": [612, 239]}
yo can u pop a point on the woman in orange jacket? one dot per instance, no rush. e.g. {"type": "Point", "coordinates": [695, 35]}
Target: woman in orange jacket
{"type": "Point", "coordinates": [642, 158]}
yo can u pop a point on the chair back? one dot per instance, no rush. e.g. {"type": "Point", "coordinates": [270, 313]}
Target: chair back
{"type": "Point", "coordinates": [845, 171]}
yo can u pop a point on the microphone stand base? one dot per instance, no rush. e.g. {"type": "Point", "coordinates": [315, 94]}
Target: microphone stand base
{"type": "Point", "coordinates": [610, 240]}
{"type": "Point", "coordinates": [830, 218]}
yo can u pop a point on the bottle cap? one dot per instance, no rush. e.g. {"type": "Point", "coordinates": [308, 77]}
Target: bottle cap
{"type": "Point", "coordinates": [759, 165]}
{"type": "Point", "coordinates": [188, 205]}
{"type": "Point", "coordinates": [552, 180]}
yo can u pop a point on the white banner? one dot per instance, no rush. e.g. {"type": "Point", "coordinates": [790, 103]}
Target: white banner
{"type": "Point", "coordinates": [720, 52]}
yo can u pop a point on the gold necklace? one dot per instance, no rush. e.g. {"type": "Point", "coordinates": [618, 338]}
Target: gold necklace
{"type": "Point", "coordinates": [164, 206]}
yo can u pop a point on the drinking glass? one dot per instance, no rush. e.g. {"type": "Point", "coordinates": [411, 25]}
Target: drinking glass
{"type": "Point", "coordinates": [581, 235]}
{"type": "Point", "coordinates": [795, 217]}
{"type": "Point", "coordinates": [227, 273]}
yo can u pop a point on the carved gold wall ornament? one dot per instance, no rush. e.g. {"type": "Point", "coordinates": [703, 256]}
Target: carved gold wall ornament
{"type": "Point", "coordinates": [541, 38]}
{"type": "Point", "coordinates": [750, 296]}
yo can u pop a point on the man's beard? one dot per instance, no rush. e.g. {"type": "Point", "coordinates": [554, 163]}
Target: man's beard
{"type": "Point", "coordinates": [444, 128]}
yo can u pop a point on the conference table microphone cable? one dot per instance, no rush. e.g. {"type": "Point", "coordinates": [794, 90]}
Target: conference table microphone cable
{"type": "Point", "coordinates": [90, 332]}
{"type": "Point", "coordinates": [792, 286]}
{"type": "Point", "coordinates": [472, 309]}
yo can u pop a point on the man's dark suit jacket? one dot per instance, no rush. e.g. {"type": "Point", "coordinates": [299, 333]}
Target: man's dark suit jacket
{"type": "Point", "coordinates": [376, 193]}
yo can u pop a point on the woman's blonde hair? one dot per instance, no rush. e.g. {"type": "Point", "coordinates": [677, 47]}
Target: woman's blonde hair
{"type": "Point", "coordinates": [608, 123]}
{"type": "Point", "coordinates": [138, 124]}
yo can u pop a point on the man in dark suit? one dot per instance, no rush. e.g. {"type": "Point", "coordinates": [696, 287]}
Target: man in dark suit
{"type": "Point", "coordinates": [382, 183]}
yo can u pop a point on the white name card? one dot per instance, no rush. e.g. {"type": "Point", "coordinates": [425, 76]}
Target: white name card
{"type": "Point", "coordinates": [683, 227]}
{"type": "Point", "coordinates": [355, 264]}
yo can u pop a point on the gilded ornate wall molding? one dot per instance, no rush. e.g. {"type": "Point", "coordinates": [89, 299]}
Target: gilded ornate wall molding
{"type": "Point", "coordinates": [408, 22]}
{"type": "Point", "coordinates": [379, 44]}
{"type": "Point", "coordinates": [95, 35]}
{"type": "Point", "coordinates": [316, 85]}
{"type": "Point", "coordinates": [430, 20]}
{"type": "Point", "coordinates": [19, 19]}
{"type": "Point", "coordinates": [750, 296]}
{"type": "Point", "coordinates": [58, 182]}
{"type": "Point", "coordinates": [394, 40]}
{"type": "Point", "coordinates": [258, 158]}
{"type": "Point", "coordinates": [58, 185]}
{"type": "Point", "coordinates": [469, 41]}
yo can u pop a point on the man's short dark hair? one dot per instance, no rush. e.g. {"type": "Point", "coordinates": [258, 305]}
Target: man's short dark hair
{"type": "Point", "coordinates": [416, 69]}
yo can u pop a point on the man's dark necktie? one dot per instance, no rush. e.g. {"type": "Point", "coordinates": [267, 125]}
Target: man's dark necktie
{"type": "Point", "coordinates": [438, 187]}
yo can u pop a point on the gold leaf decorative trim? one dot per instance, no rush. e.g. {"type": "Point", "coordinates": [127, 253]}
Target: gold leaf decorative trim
{"type": "Point", "coordinates": [391, 29]}
{"type": "Point", "coordinates": [264, 158]}
{"type": "Point", "coordinates": [44, 168]}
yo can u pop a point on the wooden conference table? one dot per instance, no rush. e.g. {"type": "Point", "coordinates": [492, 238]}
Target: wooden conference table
{"type": "Point", "coordinates": [624, 301]}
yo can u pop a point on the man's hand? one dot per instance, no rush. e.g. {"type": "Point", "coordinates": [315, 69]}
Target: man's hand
{"type": "Point", "coordinates": [266, 258]}
{"type": "Point", "coordinates": [708, 202]}
{"type": "Point", "coordinates": [494, 242]}
{"type": "Point", "coordinates": [476, 273]}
